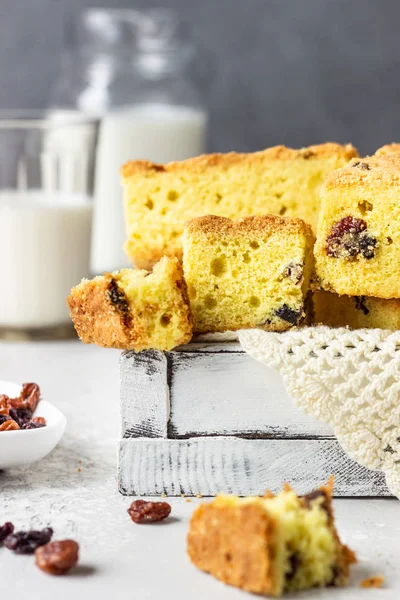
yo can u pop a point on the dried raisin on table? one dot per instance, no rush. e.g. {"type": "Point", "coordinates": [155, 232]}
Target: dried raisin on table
{"type": "Point", "coordinates": [56, 558]}
{"type": "Point", "coordinates": [143, 511]}
{"type": "Point", "coordinates": [26, 542]}
{"type": "Point", "coordinates": [6, 530]}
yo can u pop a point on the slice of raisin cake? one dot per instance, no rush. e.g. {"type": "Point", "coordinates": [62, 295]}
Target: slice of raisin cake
{"type": "Point", "coordinates": [270, 545]}
{"type": "Point", "coordinates": [253, 272]}
{"type": "Point", "coordinates": [160, 199]}
{"type": "Point", "coordinates": [134, 310]}
{"type": "Point", "coordinates": [357, 251]}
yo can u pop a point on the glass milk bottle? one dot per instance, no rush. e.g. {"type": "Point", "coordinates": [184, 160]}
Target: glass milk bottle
{"type": "Point", "coordinates": [45, 221]}
{"type": "Point", "coordinates": [138, 83]}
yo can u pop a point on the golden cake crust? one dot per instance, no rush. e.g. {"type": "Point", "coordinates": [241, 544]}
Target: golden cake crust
{"type": "Point", "coordinates": [224, 549]}
{"type": "Point", "coordinates": [379, 170]}
{"type": "Point", "coordinates": [96, 319]}
{"type": "Point", "coordinates": [199, 163]}
{"type": "Point", "coordinates": [388, 149]}
{"type": "Point", "coordinates": [257, 223]}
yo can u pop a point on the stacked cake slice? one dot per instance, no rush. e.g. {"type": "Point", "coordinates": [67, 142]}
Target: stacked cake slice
{"type": "Point", "coordinates": [357, 251]}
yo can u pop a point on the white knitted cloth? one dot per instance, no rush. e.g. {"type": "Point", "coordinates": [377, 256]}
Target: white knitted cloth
{"type": "Point", "coordinates": [350, 379]}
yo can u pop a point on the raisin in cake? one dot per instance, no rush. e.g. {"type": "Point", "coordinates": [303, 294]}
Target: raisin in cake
{"type": "Point", "coordinates": [270, 545]}
{"type": "Point", "coordinates": [355, 312]}
{"type": "Point", "coordinates": [160, 199]}
{"type": "Point", "coordinates": [357, 251]}
{"type": "Point", "coordinates": [251, 273]}
{"type": "Point", "coordinates": [134, 310]}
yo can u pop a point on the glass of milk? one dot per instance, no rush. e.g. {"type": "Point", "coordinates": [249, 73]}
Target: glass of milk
{"type": "Point", "coordinates": [138, 72]}
{"type": "Point", "coordinates": [46, 179]}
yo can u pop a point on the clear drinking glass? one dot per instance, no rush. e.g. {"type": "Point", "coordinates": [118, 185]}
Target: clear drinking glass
{"type": "Point", "coordinates": [46, 180]}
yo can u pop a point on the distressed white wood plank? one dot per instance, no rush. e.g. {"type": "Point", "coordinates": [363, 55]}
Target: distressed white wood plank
{"type": "Point", "coordinates": [229, 393]}
{"type": "Point", "coordinates": [208, 466]}
{"type": "Point", "coordinates": [206, 346]}
{"type": "Point", "coordinates": [144, 394]}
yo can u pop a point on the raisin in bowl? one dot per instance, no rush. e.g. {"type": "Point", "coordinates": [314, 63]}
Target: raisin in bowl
{"type": "Point", "coordinates": [25, 446]}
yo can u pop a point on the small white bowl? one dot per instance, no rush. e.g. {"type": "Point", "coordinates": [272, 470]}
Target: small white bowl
{"type": "Point", "coordinates": [23, 447]}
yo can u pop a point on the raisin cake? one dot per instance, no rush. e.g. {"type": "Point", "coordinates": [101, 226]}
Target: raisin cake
{"type": "Point", "coordinates": [357, 251]}
{"type": "Point", "coordinates": [270, 545]}
{"type": "Point", "coordinates": [134, 310]}
{"type": "Point", "coordinates": [160, 199]}
{"type": "Point", "coordinates": [254, 272]}
{"type": "Point", "coordinates": [355, 312]}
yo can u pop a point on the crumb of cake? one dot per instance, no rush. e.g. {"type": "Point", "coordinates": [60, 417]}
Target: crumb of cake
{"type": "Point", "coordinates": [376, 581]}
{"type": "Point", "coordinates": [187, 500]}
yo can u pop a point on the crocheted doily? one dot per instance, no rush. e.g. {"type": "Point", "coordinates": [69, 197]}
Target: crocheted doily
{"type": "Point", "coordinates": [350, 379]}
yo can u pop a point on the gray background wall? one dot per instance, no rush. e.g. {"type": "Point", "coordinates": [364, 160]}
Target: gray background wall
{"type": "Point", "coordinates": [289, 71]}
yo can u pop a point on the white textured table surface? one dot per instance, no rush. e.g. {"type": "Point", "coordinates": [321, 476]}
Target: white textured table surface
{"type": "Point", "coordinates": [73, 490]}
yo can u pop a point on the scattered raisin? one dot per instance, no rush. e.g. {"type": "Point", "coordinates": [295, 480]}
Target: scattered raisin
{"type": "Point", "coordinates": [289, 314]}
{"type": "Point", "coordinates": [56, 558]}
{"type": "Point", "coordinates": [21, 415]}
{"type": "Point", "coordinates": [26, 542]}
{"type": "Point", "coordinates": [294, 271]}
{"type": "Point", "coordinates": [348, 238]}
{"type": "Point", "coordinates": [361, 165]}
{"type": "Point", "coordinates": [142, 511]}
{"type": "Point", "coordinates": [360, 304]}
{"type": "Point", "coordinates": [5, 530]}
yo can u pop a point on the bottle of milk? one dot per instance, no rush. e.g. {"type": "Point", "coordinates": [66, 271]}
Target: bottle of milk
{"type": "Point", "coordinates": [134, 72]}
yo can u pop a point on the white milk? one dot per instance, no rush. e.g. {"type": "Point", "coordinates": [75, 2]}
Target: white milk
{"type": "Point", "coordinates": [44, 251]}
{"type": "Point", "coordinates": [157, 132]}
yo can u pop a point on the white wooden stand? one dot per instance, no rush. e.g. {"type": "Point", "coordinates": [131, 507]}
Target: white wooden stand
{"type": "Point", "coordinates": [207, 418]}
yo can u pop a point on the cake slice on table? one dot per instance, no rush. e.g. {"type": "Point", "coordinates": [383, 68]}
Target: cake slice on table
{"type": "Point", "coordinates": [357, 251]}
{"type": "Point", "coordinates": [254, 272]}
{"type": "Point", "coordinates": [270, 545]}
{"type": "Point", "coordinates": [134, 310]}
{"type": "Point", "coordinates": [159, 199]}
{"type": "Point", "coordinates": [355, 312]}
